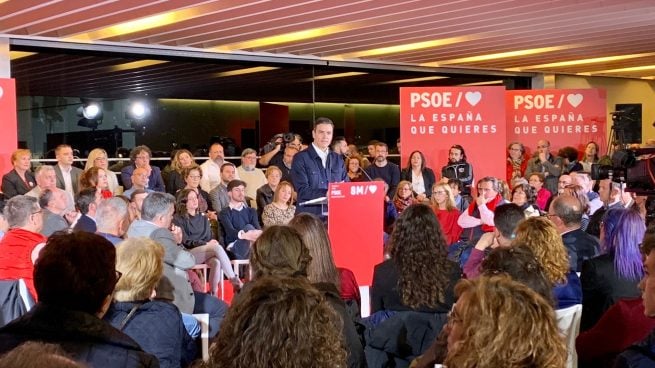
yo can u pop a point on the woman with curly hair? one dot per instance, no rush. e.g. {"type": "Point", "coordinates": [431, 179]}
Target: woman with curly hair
{"type": "Point", "coordinates": [182, 159]}
{"type": "Point", "coordinates": [282, 251]}
{"type": "Point", "coordinates": [523, 195]}
{"type": "Point", "coordinates": [280, 322]}
{"type": "Point", "coordinates": [499, 322]}
{"type": "Point", "coordinates": [404, 196]}
{"type": "Point", "coordinates": [615, 273]}
{"type": "Point", "coordinates": [95, 177]}
{"type": "Point", "coordinates": [418, 276]}
{"type": "Point", "coordinates": [540, 236]}
{"type": "Point", "coordinates": [443, 204]}
{"type": "Point", "coordinates": [538, 182]}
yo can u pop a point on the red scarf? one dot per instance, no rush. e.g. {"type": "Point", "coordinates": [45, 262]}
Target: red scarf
{"type": "Point", "coordinates": [475, 212]}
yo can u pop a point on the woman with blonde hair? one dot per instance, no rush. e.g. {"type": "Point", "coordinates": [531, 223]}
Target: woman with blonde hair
{"type": "Point", "coordinates": [98, 158]}
{"type": "Point", "coordinates": [540, 236]}
{"type": "Point", "coordinates": [182, 159]}
{"type": "Point", "coordinates": [155, 324]}
{"type": "Point", "coordinates": [404, 196]}
{"type": "Point", "coordinates": [96, 177]}
{"type": "Point", "coordinates": [266, 192]}
{"type": "Point", "coordinates": [20, 179]}
{"type": "Point", "coordinates": [281, 210]}
{"type": "Point", "coordinates": [443, 205]}
{"type": "Point", "coordinates": [499, 322]}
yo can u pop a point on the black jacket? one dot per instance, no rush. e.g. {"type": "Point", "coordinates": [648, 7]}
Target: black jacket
{"type": "Point", "coordinates": [639, 355]}
{"type": "Point", "coordinates": [428, 179]}
{"type": "Point", "coordinates": [83, 336]}
{"type": "Point", "coordinates": [580, 247]}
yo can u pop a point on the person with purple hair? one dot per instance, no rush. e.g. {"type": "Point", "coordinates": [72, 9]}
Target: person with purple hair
{"type": "Point", "coordinates": [615, 273]}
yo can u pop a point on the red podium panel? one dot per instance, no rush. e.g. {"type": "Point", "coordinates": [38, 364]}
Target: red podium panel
{"type": "Point", "coordinates": [8, 122]}
{"type": "Point", "coordinates": [355, 226]}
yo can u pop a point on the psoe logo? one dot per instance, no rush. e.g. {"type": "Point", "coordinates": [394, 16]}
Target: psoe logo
{"type": "Point", "coordinates": [363, 189]}
{"type": "Point", "coordinates": [336, 192]}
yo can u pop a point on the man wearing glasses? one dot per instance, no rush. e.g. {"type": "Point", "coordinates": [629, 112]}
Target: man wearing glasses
{"type": "Point", "coordinates": [140, 157]}
{"type": "Point", "coordinates": [546, 164]}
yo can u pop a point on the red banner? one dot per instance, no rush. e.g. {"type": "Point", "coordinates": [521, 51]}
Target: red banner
{"type": "Point", "coordinates": [434, 118]}
{"type": "Point", "coordinates": [8, 122]}
{"type": "Point", "coordinates": [355, 226]}
{"type": "Point", "coordinates": [565, 117]}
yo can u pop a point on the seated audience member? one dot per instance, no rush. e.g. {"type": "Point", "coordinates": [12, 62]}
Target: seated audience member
{"type": "Point", "coordinates": [611, 194]}
{"type": "Point", "coordinates": [566, 214]}
{"type": "Point", "coordinates": [507, 218]}
{"type": "Point", "coordinates": [443, 205]}
{"type": "Point", "coordinates": [381, 168]}
{"type": "Point", "coordinates": [281, 210]}
{"type": "Point", "coordinates": [516, 161]}
{"type": "Point", "coordinates": [139, 182]}
{"type": "Point", "coordinates": [504, 190]}
{"type": "Point", "coordinates": [541, 237]}
{"type": "Point", "coordinates": [48, 355]}
{"type": "Point", "coordinates": [191, 176]}
{"type": "Point", "coordinates": [136, 203]}
{"type": "Point", "coordinates": [4, 225]}
{"type": "Point", "coordinates": [416, 243]}
{"type": "Point", "coordinates": [53, 207]}
{"type": "Point", "coordinates": [112, 219]}
{"type": "Point", "coordinates": [249, 174]}
{"type": "Point", "coordinates": [479, 217]}
{"type": "Point", "coordinates": [615, 273]}
{"type": "Point", "coordinates": [45, 179]}
{"type": "Point", "coordinates": [458, 168]}
{"type": "Point", "coordinates": [75, 277]}
{"type": "Point", "coordinates": [87, 204]}
{"type": "Point", "coordinates": [461, 202]}
{"type": "Point", "coordinates": [487, 327]}
{"type": "Point", "coordinates": [265, 193]}
{"type": "Point", "coordinates": [390, 213]}
{"type": "Point", "coordinates": [421, 177]}
{"type": "Point", "coordinates": [239, 221]}
{"type": "Point", "coordinates": [95, 178]}
{"type": "Point", "coordinates": [569, 156]}
{"type": "Point", "coordinates": [280, 322]}
{"type": "Point", "coordinates": [98, 158]}
{"type": "Point", "coordinates": [20, 179]}
{"type": "Point", "coordinates": [524, 196]}
{"type": "Point", "coordinates": [218, 195]}
{"type": "Point", "coordinates": [155, 325]}
{"type": "Point", "coordinates": [197, 239]}
{"type": "Point", "coordinates": [404, 197]}
{"type": "Point", "coordinates": [546, 164]}
{"type": "Point", "coordinates": [537, 181]}
{"type": "Point", "coordinates": [155, 222]}
{"type": "Point", "coordinates": [576, 191]}
{"type": "Point", "coordinates": [340, 146]}
{"type": "Point", "coordinates": [281, 251]}
{"type": "Point", "coordinates": [640, 354]}
{"type": "Point", "coordinates": [182, 159]}
{"type": "Point", "coordinates": [20, 246]}
{"type": "Point", "coordinates": [140, 158]}
{"type": "Point", "coordinates": [354, 168]}
{"type": "Point", "coordinates": [370, 147]}
{"type": "Point", "coordinates": [211, 168]}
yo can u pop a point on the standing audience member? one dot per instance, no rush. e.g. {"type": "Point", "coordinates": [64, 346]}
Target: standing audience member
{"type": "Point", "coordinates": [182, 159]}
{"type": "Point", "coordinates": [281, 210]}
{"type": "Point", "coordinates": [516, 162]}
{"type": "Point", "coordinates": [140, 157]}
{"type": "Point", "coordinates": [87, 203]}
{"type": "Point", "coordinates": [218, 196]}
{"type": "Point", "coordinates": [404, 196]}
{"type": "Point", "coordinates": [421, 177]}
{"type": "Point", "coordinates": [239, 221]}
{"type": "Point", "coordinates": [112, 219]}
{"type": "Point", "coordinates": [458, 168]}
{"type": "Point", "coordinates": [443, 204]}
{"type": "Point", "coordinates": [499, 322]}
{"type": "Point", "coordinates": [211, 168]}
{"type": "Point", "coordinates": [569, 156]}
{"type": "Point", "coordinates": [274, 157]}
{"type": "Point", "coordinates": [20, 179]}
{"type": "Point", "coordinates": [314, 168]}
{"type": "Point", "coordinates": [537, 181]}
{"type": "Point", "coordinates": [590, 156]}
{"type": "Point", "coordinates": [577, 192]}
{"type": "Point", "coordinates": [280, 322]}
{"type": "Point", "coordinates": [154, 324]}
{"type": "Point", "coordinates": [98, 158]}
{"type": "Point", "coordinates": [566, 214]}
{"type": "Point", "coordinates": [249, 174]}
{"type": "Point", "coordinates": [340, 146]}
{"type": "Point", "coordinates": [20, 246]}
{"type": "Point", "coordinates": [545, 163]}
{"type": "Point", "coordinates": [416, 243]}
{"type": "Point", "coordinates": [265, 192]}
{"type": "Point", "coordinates": [75, 277]}
{"type": "Point", "coordinates": [583, 179]}
{"type": "Point", "coordinates": [53, 207]}
{"type": "Point", "coordinates": [615, 273]}
{"type": "Point", "coordinates": [381, 168]}
{"type": "Point", "coordinates": [68, 176]}
{"type": "Point", "coordinates": [285, 163]}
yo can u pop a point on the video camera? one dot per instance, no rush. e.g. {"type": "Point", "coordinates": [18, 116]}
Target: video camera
{"type": "Point", "coordinates": [282, 139]}
{"type": "Point", "coordinates": [634, 167]}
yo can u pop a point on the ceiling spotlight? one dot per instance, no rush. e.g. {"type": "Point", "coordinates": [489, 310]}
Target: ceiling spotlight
{"type": "Point", "coordinates": [90, 113]}
{"type": "Point", "coordinates": [137, 113]}
{"type": "Point", "coordinates": [138, 110]}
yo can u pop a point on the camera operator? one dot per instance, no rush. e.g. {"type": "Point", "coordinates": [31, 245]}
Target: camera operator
{"type": "Point", "coordinates": [273, 152]}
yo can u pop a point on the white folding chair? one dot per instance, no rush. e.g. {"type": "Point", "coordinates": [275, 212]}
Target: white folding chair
{"type": "Point", "coordinates": [204, 270]}
{"type": "Point", "coordinates": [236, 263]}
{"type": "Point", "coordinates": [203, 320]}
{"type": "Point", "coordinates": [365, 295]}
{"type": "Point", "coordinates": [568, 321]}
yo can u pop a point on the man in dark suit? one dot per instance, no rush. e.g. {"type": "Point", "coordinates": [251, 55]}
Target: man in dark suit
{"type": "Point", "coordinates": [140, 157]}
{"type": "Point", "coordinates": [68, 176]}
{"type": "Point", "coordinates": [566, 213]}
{"type": "Point", "coordinates": [317, 166]}
{"type": "Point", "coordinates": [87, 203]}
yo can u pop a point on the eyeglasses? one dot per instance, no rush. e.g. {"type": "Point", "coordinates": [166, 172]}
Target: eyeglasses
{"type": "Point", "coordinates": [439, 192]}
{"type": "Point", "coordinates": [100, 159]}
{"type": "Point", "coordinates": [542, 146]}
{"type": "Point", "coordinates": [143, 157]}
{"type": "Point", "coordinates": [549, 215]}
{"type": "Point", "coordinates": [194, 176]}
{"type": "Point", "coordinates": [515, 149]}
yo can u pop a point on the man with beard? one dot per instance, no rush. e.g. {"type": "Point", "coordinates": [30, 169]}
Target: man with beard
{"type": "Point", "coordinates": [381, 168]}
{"type": "Point", "coordinates": [458, 168]}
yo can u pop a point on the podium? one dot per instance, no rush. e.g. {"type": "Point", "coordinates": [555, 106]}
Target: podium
{"type": "Point", "coordinates": [355, 226]}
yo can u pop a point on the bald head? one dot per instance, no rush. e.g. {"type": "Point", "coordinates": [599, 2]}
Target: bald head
{"type": "Point", "coordinates": [568, 209]}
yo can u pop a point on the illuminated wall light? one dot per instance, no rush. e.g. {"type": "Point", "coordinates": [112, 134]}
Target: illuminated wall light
{"type": "Point", "coordinates": [286, 37]}
{"type": "Point", "coordinates": [412, 80]}
{"type": "Point", "coordinates": [332, 76]}
{"type": "Point", "coordinates": [407, 47]}
{"type": "Point", "coordinates": [582, 61]}
{"type": "Point", "coordinates": [135, 65]}
{"type": "Point", "coordinates": [483, 83]}
{"type": "Point", "coordinates": [257, 69]}
{"type": "Point", "coordinates": [499, 55]}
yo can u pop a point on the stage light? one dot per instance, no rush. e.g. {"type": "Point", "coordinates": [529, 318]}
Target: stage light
{"type": "Point", "coordinates": [90, 113]}
{"type": "Point", "coordinates": [137, 113]}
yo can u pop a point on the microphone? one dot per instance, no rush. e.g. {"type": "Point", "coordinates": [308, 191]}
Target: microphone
{"type": "Point", "coordinates": [367, 175]}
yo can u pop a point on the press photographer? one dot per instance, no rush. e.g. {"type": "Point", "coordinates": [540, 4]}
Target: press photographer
{"type": "Point", "coordinates": [273, 152]}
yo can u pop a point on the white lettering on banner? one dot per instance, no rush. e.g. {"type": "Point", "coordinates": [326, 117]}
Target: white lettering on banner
{"type": "Point", "coordinates": [435, 99]}
{"type": "Point", "coordinates": [550, 118]}
{"type": "Point", "coordinates": [363, 189]}
{"type": "Point", "coordinates": [537, 102]}
{"type": "Point", "coordinates": [454, 129]}
{"type": "Point", "coordinates": [555, 129]}
{"type": "Point", "coordinates": [469, 116]}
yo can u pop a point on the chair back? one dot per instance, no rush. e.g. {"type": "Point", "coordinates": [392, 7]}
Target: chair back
{"type": "Point", "coordinates": [568, 321]}
{"type": "Point", "coordinates": [15, 300]}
